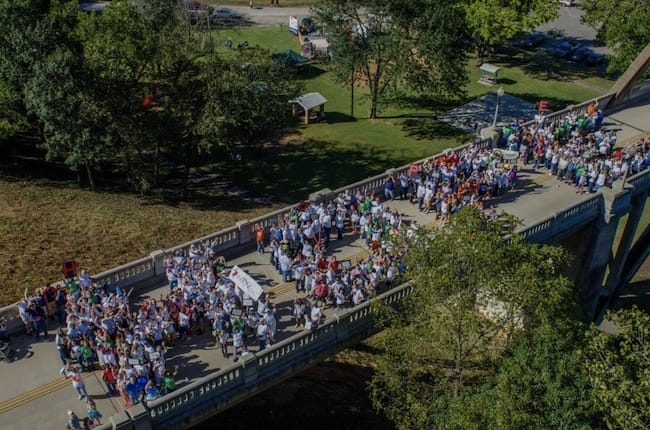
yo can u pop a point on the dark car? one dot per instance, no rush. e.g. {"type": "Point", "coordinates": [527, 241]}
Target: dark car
{"type": "Point", "coordinates": [533, 40]}
{"type": "Point", "coordinates": [580, 54]}
{"type": "Point", "coordinates": [562, 50]}
{"type": "Point", "coordinates": [594, 59]}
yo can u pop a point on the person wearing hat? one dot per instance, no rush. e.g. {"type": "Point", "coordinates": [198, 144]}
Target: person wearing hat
{"type": "Point", "coordinates": [78, 384]}
{"type": "Point", "coordinates": [73, 420]}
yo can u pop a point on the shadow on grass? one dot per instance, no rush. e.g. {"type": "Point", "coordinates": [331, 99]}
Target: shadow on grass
{"type": "Point", "coordinates": [311, 71]}
{"type": "Point", "coordinates": [334, 117]}
{"type": "Point", "coordinates": [424, 101]}
{"type": "Point", "coordinates": [507, 81]}
{"type": "Point", "coordinates": [430, 129]}
{"type": "Point", "coordinates": [292, 171]}
{"type": "Point", "coordinates": [541, 65]}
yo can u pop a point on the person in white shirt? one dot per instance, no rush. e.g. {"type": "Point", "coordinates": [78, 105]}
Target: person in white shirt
{"type": "Point", "coordinates": [262, 334]}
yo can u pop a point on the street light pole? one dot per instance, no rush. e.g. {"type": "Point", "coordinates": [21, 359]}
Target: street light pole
{"type": "Point", "coordinates": [500, 93]}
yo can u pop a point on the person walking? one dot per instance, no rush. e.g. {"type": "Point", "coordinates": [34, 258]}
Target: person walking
{"type": "Point", "coordinates": [73, 421]}
{"type": "Point", "coordinates": [262, 334]}
{"type": "Point", "coordinates": [259, 230]}
{"type": "Point", "coordinates": [223, 336]}
{"type": "Point", "coordinates": [78, 384]}
{"type": "Point", "coordinates": [94, 415]}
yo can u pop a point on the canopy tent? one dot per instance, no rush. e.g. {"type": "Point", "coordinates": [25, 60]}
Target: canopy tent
{"type": "Point", "coordinates": [290, 58]}
{"type": "Point", "coordinates": [308, 102]}
{"type": "Point", "coordinates": [489, 74]}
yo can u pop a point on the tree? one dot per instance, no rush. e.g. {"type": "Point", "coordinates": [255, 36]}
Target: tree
{"type": "Point", "coordinates": [473, 293]}
{"type": "Point", "coordinates": [396, 45]}
{"type": "Point", "coordinates": [59, 95]}
{"type": "Point", "coordinates": [122, 49]}
{"type": "Point", "coordinates": [30, 30]}
{"type": "Point", "coordinates": [247, 99]}
{"type": "Point", "coordinates": [11, 118]}
{"type": "Point", "coordinates": [618, 365]}
{"type": "Point", "coordinates": [492, 22]}
{"type": "Point", "coordinates": [541, 382]}
{"type": "Point", "coordinates": [623, 26]}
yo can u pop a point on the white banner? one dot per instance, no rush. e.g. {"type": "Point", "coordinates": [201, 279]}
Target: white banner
{"type": "Point", "coordinates": [293, 25]}
{"type": "Point", "coordinates": [244, 282]}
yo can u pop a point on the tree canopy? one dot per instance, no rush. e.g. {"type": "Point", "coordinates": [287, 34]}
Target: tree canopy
{"type": "Point", "coordinates": [132, 85]}
{"type": "Point", "coordinates": [474, 295]}
{"type": "Point", "coordinates": [623, 26]}
{"type": "Point", "coordinates": [383, 45]}
{"type": "Point", "coordinates": [618, 365]}
{"type": "Point", "coordinates": [491, 22]}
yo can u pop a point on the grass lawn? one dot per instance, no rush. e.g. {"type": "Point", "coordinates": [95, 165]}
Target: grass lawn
{"type": "Point", "coordinates": [348, 149]}
{"type": "Point", "coordinates": [43, 223]}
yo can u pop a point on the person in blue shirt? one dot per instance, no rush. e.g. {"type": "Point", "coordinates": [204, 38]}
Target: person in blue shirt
{"type": "Point", "coordinates": [133, 391]}
{"type": "Point", "coordinates": [151, 392]}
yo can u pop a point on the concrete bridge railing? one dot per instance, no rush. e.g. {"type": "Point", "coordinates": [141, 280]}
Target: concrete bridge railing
{"type": "Point", "coordinates": [222, 389]}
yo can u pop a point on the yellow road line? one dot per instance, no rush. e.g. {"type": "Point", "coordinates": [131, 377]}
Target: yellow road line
{"type": "Point", "coordinates": [37, 393]}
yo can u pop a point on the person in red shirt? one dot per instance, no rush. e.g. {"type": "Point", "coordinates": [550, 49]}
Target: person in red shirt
{"type": "Point", "coordinates": [333, 263]}
{"type": "Point", "coordinates": [322, 263]}
{"type": "Point", "coordinates": [259, 238]}
{"type": "Point", "coordinates": [109, 380]}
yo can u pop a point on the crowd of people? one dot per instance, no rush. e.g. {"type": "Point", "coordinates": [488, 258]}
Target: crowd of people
{"type": "Point", "coordinates": [445, 184]}
{"type": "Point", "coordinates": [101, 329]}
{"type": "Point", "coordinates": [576, 148]}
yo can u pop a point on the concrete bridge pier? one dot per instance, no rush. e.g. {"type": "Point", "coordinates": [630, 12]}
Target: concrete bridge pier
{"type": "Point", "coordinates": [599, 254]}
{"type": "Point", "coordinates": [619, 262]}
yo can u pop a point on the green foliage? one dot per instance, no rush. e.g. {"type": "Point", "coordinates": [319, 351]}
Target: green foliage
{"type": "Point", "coordinates": [492, 22]}
{"type": "Point", "coordinates": [386, 45]}
{"type": "Point", "coordinates": [541, 382]}
{"type": "Point", "coordinates": [618, 366]}
{"type": "Point", "coordinates": [247, 99]}
{"type": "Point", "coordinates": [57, 94]}
{"type": "Point", "coordinates": [624, 26]}
{"type": "Point", "coordinates": [11, 118]}
{"type": "Point", "coordinates": [474, 293]}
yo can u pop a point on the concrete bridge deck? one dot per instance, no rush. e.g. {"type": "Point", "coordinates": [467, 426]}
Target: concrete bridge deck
{"type": "Point", "coordinates": [34, 394]}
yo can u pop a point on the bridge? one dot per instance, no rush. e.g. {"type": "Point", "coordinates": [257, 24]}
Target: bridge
{"type": "Point", "coordinates": [550, 210]}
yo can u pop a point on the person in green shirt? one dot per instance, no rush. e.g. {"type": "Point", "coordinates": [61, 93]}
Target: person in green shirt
{"type": "Point", "coordinates": [169, 380]}
{"type": "Point", "coordinates": [238, 323]}
{"type": "Point", "coordinates": [87, 356]}
{"type": "Point", "coordinates": [73, 288]}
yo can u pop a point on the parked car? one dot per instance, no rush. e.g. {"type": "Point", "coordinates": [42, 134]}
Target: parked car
{"type": "Point", "coordinates": [580, 53]}
{"type": "Point", "coordinates": [531, 41]}
{"type": "Point", "coordinates": [567, 3]}
{"type": "Point", "coordinates": [562, 50]}
{"type": "Point", "coordinates": [225, 14]}
{"type": "Point", "coordinates": [595, 59]}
